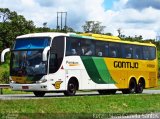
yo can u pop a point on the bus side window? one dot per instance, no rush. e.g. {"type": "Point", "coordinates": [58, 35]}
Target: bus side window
{"type": "Point", "coordinates": [146, 53]}
{"type": "Point", "coordinates": [101, 49]}
{"type": "Point", "coordinates": [127, 51]}
{"type": "Point", "coordinates": [152, 52]}
{"type": "Point", "coordinates": [73, 46]}
{"type": "Point", "coordinates": [87, 47]}
{"type": "Point", "coordinates": [137, 52]}
{"type": "Point", "coordinates": [114, 50]}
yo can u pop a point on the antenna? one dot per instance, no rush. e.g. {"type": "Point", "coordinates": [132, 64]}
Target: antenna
{"type": "Point", "coordinates": [62, 27]}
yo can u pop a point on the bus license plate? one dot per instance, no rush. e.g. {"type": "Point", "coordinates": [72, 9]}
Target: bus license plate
{"type": "Point", "coordinates": [25, 87]}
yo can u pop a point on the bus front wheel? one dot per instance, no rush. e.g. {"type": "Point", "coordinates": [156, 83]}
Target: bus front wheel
{"type": "Point", "coordinates": [39, 93]}
{"type": "Point", "coordinates": [71, 88]}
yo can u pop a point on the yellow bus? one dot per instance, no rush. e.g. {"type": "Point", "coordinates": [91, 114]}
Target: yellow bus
{"type": "Point", "coordinates": [67, 62]}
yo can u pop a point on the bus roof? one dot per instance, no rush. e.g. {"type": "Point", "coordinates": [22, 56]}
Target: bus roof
{"type": "Point", "coordinates": [112, 39]}
{"type": "Point", "coordinates": [84, 35]}
{"type": "Point", "coordinates": [45, 34]}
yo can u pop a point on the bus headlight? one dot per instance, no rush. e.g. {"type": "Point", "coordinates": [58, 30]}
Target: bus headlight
{"type": "Point", "coordinates": [12, 81]}
{"type": "Point", "coordinates": [42, 81]}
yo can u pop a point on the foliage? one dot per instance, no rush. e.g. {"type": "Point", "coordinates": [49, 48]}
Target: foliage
{"type": "Point", "coordinates": [129, 38]}
{"type": "Point", "coordinates": [109, 34]}
{"type": "Point", "coordinates": [93, 27]}
{"type": "Point", "coordinates": [12, 25]}
{"type": "Point", "coordinates": [4, 72]}
{"type": "Point", "coordinates": [4, 77]}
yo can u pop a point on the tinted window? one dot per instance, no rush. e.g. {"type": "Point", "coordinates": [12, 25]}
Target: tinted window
{"type": "Point", "coordinates": [146, 53]}
{"type": "Point", "coordinates": [137, 52]}
{"type": "Point", "coordinates": [27, 63]}
{"type": "Point", "coordinates": [127, 51]}
{"type": "Point", "coordinates": [152, 51]}
{"type": "Point", "coordinates": [88, 47]}
{"type": "Point", "coordinates": [56, 54]}
{"type": "Point", "coordinates": [102, 49]}
{"type": "Point", "coordinates": [149, 53]}
{"type": "Point", "coordinates": [32, 43]}
{"type": "Point", "coordinates": [78, 46]}
{"type": "Point", "coordinates": [73, 46]}
{"type": "Point", "coordinates": [114, 50]}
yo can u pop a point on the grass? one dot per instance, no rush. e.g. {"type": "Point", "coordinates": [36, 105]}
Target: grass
{"type": "Point", "coordinates": [9, 91]}
{"type": "Point", "coordinates": [84, 106]}
{"type": "Point", "coordinates": [4, 72]}
{"type": "Point", "coordinates": [4, 66]}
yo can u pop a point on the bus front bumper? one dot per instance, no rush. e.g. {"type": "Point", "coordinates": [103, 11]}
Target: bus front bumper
{"type": "Point", "coordinates": [32, 87]}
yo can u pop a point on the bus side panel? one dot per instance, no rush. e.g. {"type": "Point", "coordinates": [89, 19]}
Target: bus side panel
{"type": "Point", "coordinates": [57, 80]}
{"type": "Point", "coordinates": [152, 72]}
{"type": "Point", "coordinates": [123, 70]}
{"type": "Point", "coordinates": [119, 74]}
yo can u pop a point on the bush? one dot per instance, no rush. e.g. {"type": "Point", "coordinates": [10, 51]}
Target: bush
{"type": "Point", "coordinates": [4, 79]}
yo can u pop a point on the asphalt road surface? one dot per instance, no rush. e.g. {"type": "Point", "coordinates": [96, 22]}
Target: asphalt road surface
{"type": "Point", "coordinates": [61, 95]}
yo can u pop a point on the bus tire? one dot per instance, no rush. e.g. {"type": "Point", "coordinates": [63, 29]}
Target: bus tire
{"type": "Point", "coordinates": [71, 88]}
{"type": "Point", "coordinates": [132, 87]}
{"type": "Point", "coordinates": [140, 86]}
{"type": "Point", "coordinates": [39, 93]}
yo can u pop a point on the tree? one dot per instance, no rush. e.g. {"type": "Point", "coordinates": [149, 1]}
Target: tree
{"type": "Point", "coordinates": [93, 27]}
{"type": "Point", "coordinates": [12, 25]}
{"type": "Point", "coordinates": [109, 34]}
{"type": "Point", "coordinates": [119, 32]}
{"type": "Point", "coordinates": [68, 29]}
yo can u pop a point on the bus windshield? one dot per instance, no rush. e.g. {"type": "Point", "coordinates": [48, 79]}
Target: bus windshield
{"type": "Point", "coordinates": [32, 43]}
{"type": "Point", "coordinates": [27, 63]}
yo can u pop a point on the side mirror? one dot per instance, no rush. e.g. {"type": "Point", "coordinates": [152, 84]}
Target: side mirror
{"type": "Point", "coordinates": [44, 55]}
{"type": "Point", "coordinates": [3, 54]}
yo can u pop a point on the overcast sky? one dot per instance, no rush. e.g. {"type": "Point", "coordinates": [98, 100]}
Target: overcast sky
{"type": "Point", "coordinates": [134, 17]}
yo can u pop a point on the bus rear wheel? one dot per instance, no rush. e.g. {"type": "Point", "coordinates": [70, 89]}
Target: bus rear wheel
{"type": "Point", "coordinates": [71, 88]}
{"type": "Point", "coordinates": [131, 89]}
{"type": "Point", "coordinates": [140, 86]}
{"type": "Point", "coordinates": [39, 93]}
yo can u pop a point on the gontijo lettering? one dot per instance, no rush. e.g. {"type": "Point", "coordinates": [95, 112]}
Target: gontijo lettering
{"type": "Point", "coordinates": [121, 64]}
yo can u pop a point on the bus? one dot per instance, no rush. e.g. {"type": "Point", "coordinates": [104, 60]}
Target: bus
{"type": "Point", "coordinates": [68, 62]}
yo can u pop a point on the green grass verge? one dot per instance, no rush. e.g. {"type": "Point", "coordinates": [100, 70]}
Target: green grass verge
{"type": "Point", "coordinates": [9, 91]}
{"type": "Point", "coordinates": [84, 106]}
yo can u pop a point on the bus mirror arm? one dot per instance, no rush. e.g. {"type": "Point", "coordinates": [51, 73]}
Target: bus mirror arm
{"type": "Point", "coordinates": [3, 54]}
{"type": "Point", "coordinates": [44, 55]}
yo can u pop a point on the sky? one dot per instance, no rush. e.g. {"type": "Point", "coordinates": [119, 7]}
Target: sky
{"type": "Point", "coordinates": [133, 17]}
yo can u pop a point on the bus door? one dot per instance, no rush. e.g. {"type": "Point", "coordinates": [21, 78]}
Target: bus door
{"type": "Point", "coordinates": [56, 58]}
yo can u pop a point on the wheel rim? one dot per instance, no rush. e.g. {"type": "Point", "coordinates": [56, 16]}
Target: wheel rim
{"type": "Point", "coordinates": [140, 86]}
{"type": "Point", "coordinates": [132, 87]}
{"type": "Point", "coordinates": [71, 88]}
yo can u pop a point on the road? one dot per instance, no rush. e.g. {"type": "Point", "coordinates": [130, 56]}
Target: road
{"type": "Point", "coordinates": [60, 95]}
